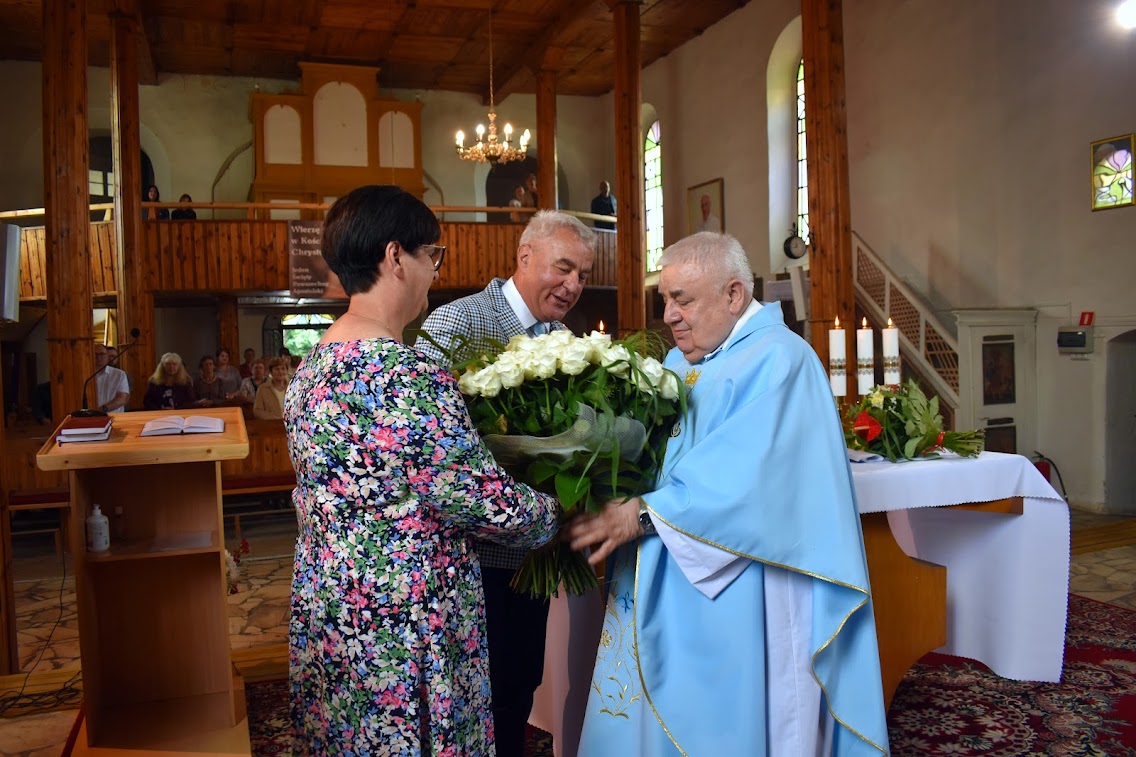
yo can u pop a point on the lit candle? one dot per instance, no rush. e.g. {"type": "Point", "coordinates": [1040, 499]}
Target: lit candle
{"type": "Point", "coordinates": [865, 361]}
{"type": "Point", "coordinates": [837, 361]}
{"type": "Point", "coordinates": [525, 138]}
{"type": "Point", "coordinates": [891, 354]}
{"type": "Point", "coordinates": [460, 138]}
{"type": "Point", "coordinates": [602, 327]}
{"type": "Point", "coordinates": [480, 132]}
{"type": "Point", "coordinates": [508, 132]}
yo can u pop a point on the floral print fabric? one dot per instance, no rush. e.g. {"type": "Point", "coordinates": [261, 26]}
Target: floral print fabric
{"type": "Point", "coordinates": [387, 640]}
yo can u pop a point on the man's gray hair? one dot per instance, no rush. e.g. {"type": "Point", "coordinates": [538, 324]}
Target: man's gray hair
{"type": "Point", "coordinates": [719, 255]}
{"type": "Point", "coordinates": [545, 223]}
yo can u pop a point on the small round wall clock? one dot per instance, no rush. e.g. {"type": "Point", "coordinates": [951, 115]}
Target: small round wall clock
{"type": "Point", "coordinates": [795, 247]}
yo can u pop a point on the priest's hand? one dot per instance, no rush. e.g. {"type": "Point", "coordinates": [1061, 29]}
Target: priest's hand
{"type": "Point", "coordinates": [616, 524]}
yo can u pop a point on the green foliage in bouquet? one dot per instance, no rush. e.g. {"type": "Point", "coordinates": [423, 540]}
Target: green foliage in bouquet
{"type": "Point", "coordinates": [583, 418]}
{"type": "Point", "coordinates": [899, 422]}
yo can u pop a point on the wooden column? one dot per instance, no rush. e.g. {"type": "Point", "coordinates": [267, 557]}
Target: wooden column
{"type": "Point", "coordinates": [135, 303]}
{"type": "Point", "coordinates": [9, 643]}
{"type": "Point", "coordinates": [630, 239]}
{"type": "Point", "coordinates": [228, 328]}
{"type": "Point", "coordinates": [546, 139]}
{"type": "Point", "coordinates": [67, 203]}
{"type": "Point", "coordinates": [830, 223]}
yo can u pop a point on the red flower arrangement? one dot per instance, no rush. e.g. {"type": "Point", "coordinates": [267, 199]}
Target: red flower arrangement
{"type": "Point", "coordinates": [900, 423]}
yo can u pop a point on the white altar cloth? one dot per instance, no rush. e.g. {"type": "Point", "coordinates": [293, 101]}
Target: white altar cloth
{"type": "Point", "coordinates": [1007, 576]}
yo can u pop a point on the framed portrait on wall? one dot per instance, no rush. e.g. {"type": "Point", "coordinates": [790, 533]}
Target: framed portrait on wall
{"type": "Point", "coordinates": [1112, 172]}
{"type": "Point", "coordinates": [706, 207]}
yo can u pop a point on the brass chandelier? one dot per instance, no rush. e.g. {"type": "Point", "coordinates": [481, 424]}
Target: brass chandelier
{"type": "Point", "coordinates": [488, 147]}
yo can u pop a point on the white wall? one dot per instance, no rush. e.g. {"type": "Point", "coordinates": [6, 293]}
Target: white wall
{"type": "Point", "coordinates": [189, 331]}
{"type": "Point", "coordinates": [970, 177]}
{"type": "Point", "coordinates": [710, 96]}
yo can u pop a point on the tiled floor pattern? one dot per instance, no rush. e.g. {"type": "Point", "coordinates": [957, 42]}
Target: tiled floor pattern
{"type": "Point", "coordinates": [258, 612]}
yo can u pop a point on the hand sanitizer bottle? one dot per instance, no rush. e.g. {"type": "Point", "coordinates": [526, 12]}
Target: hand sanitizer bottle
{"type": "Point", "coordinates": [98, 531]}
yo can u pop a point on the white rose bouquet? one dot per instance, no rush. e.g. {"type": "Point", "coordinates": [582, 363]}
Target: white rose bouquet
{"type": "Point", "coordinates": [583, 418]}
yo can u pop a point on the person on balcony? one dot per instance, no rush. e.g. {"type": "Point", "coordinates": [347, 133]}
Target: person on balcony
{"type": "Point", "coordinates": [184, 214]}
{"type": "Point", "coordinates": [154, 214]}
{"type": "Point", "coordinates": [603, 204]}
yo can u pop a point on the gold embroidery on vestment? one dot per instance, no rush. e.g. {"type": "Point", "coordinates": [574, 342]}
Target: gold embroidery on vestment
{"type": "Point", "coordinates": [617, 685]}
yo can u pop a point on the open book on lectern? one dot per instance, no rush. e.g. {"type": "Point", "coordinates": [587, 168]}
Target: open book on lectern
{"type": "Point", "coordinates": [190, 424]}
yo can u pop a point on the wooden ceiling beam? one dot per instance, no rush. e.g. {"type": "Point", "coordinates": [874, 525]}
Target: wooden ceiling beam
{"type": "Point", "coordinates": [533, 57]}
{"type": "Point", "coordinates": [571, 38]}
{"type": "Point", "coordinates": [389, 36]}
{"type": "Point", "coordinates": [474, 38]}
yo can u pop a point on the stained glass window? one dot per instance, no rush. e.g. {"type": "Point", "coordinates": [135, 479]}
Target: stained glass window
{"type": "Point", "coordinates": [653, 196]}
{"type": "Point", "coordinates": [802, 162]}
{"type": "Point", "coordinates": [1112, 172]}
{"type": "Point", "coordinates": [303, 330]}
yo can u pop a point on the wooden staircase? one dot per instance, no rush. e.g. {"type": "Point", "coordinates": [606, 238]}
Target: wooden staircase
{"type": "Point", "coordinates": [928, 349]}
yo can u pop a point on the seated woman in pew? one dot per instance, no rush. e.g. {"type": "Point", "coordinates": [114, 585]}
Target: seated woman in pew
{"type": "Point", "coordinates": [269, 401]}
{"type": "Point", "coordinates": [229, 374]}
{"type": "Point", "coordinates": [251, 385]}
{"type": "Point", "coordinates": [170, 387]}
{"type": "Point", "coordinates": [208, 386]}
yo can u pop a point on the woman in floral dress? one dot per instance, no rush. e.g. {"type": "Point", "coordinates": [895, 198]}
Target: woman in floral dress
{"type": "Point", "coordinates": [387, 633]}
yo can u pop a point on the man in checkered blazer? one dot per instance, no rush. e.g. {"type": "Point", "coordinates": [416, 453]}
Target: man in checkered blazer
{"type": "Point", "coordinates": [554, 260]}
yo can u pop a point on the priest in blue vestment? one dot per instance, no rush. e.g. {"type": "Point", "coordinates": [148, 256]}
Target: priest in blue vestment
{"type": "Point", "coordinates": [739, 618]}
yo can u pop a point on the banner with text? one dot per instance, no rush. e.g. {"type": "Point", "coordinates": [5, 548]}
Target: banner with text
{"type": "Point", "coordinates": [308, 274]}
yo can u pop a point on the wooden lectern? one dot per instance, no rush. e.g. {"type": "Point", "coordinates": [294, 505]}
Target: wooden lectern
{"type": "Point", "coordinates": [153, 618]}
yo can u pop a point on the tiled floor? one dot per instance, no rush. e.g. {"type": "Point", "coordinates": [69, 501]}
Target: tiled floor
{"type": "Point", "coordinates": [258, 613]}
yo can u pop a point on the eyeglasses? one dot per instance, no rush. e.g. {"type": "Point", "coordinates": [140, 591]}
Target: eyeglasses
{"type": "Point", "coordinates": [437, 253]}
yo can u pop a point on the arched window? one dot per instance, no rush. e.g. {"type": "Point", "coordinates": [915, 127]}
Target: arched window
{"type": "Point", "coordinates": [101, 172]}
{"type": "Point", "coordinates": [802, 161]}
{"type": "Point", "coordinates": [653, 196]}
{"type": "Point", "coordinates": [299, 332]}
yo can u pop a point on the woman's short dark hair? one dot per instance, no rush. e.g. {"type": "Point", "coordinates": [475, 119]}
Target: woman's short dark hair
{"type": "Point", "coordinates": [361, 224]}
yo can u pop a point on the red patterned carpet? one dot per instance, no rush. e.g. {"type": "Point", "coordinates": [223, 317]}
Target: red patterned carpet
{"type": "Point", "coordinates": [947, 705]}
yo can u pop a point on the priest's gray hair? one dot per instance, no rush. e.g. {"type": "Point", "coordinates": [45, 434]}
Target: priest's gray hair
{"type": "Point", "coordinates": [710, 253]}
{"type": "Point", "coordinates": [545, 223]}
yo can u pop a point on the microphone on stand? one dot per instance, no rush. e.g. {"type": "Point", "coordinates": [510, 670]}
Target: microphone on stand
{"type": "Point", "coordinates": [85, 413]}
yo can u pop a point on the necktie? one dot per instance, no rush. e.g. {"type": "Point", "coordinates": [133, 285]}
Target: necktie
{"type": "Point", "coordinates": [539, 328]}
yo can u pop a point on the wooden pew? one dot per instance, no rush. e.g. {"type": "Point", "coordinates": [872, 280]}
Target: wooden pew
{"type": "Point", "coordinates": [267, 470]}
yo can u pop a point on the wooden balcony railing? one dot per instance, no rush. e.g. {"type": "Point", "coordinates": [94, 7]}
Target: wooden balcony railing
{"type": "Point", "coordinates": [250, 255]}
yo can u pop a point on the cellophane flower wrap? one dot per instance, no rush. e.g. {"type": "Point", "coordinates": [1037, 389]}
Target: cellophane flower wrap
{"type": "Point", "coordinates": [899, 422]}
{"type": "Point", "coordinates": [583, 418]}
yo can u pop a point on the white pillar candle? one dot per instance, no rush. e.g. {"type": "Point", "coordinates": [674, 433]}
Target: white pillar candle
{"type": "Point", "coordinates": [891, 354]}
{"type": "Point", "coordinates": [865, 360]}
{"type": "Point", "coordinates": [837, 361]}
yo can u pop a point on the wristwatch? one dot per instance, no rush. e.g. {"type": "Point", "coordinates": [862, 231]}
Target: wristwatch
{"type": "Point", "coordinates": [645, 521]}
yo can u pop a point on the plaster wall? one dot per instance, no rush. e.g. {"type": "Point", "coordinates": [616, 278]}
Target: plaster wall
{"type": "Point", "coordinates": [710, 97]}
{"type": "Point", "coordinates": [969, 127]}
